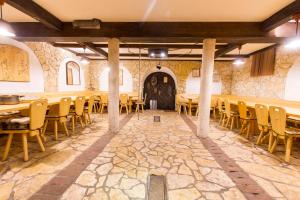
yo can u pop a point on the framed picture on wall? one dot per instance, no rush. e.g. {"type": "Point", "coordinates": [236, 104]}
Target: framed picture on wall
{"type": "Point", "coordinates": [72, 73]}
{"type": "Point", "coordinates": [196, 72]}
{"type": "Point", "coordinates": [121, 77]}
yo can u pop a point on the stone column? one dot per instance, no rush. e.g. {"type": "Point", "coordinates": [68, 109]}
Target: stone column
{"type": "Point", "coordinates": [207, 70]}
{"type": "Point", "coordinates": [113, 85]}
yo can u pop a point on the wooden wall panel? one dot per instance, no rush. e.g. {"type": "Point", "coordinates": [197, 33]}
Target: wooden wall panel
{"type": "Point", "coordinates": [14, 64]}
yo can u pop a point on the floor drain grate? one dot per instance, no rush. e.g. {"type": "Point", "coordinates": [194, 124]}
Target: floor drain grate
{"type": "Point", "coordinates": [156, 119]}
{"type": "Point", "coordinates": [157, 188]}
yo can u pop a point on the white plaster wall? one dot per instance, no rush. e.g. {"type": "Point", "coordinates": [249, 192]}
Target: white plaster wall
{"type": "Point", "coordinates": [192, 86]}
{"type": "Point", "coordinates": [36, 83]}
{"type": "Point", "coordinates": [62, 82]}
{"type": "Point", "coordinates": [127, 80]}
{"type": "Point", "coordinates": [292, 84]}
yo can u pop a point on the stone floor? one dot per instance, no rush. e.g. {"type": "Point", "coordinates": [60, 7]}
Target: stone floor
{"type": "Point", "coordinates": [144, 147]}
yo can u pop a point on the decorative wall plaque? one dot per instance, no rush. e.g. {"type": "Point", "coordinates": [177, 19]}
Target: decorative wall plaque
{"type": "Point", "coordinates": [14, 64]}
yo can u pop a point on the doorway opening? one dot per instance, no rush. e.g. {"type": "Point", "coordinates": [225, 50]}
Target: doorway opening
{"type": "Point", "coordinates": [160, 88]}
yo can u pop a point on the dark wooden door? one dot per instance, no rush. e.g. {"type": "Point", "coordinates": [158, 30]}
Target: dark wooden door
{"type": "Point", "coordinates": [160, 86]}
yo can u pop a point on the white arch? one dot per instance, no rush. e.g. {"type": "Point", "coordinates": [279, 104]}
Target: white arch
{"type": "Point", "coordinates": [127, 80]}
{"type": "Point", "coordinates": [163, 69]}
{"type": "Point", "coordinates": [62, 82]}
{"type": "Point", "coordinates": [292, 83]}
{"type": "Point", "coordinates": [36, 83]}
{"type": "Point", "coordinates": [192, 85]}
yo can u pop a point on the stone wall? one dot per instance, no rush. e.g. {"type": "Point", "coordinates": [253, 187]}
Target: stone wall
{"type": "Point", "coordinates": [181, 69]}
{"type": "Point", "coordinates": [264, 86]}
{"type": "Point", "coordinates": [50, 58]}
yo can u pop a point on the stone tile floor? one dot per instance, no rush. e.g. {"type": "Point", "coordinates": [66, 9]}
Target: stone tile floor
{"type": "Point", "coordinates": [141, 148]}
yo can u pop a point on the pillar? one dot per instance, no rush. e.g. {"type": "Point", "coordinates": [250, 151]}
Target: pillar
{"type": "Point", "coordinates": [113, 85]}
{"type": "Point", "coordinates": [207, 70]}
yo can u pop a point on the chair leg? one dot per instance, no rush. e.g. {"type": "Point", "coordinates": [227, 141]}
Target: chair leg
{"type": "Point", "coordinates": [81, 123]}
{"type": "Point", "coordinates": [248, 129]}
{"type": "Point", "coordinates": [66, 129]}
{"type": "Point", "coordinates": [232, 123]}
{"type": "Point", "coordinates": [270, 141]}
{"type": "Point", "coordinates": [288, 149]}
{"type": "Point", "coordinates": [179, 109]}
{"type": "Point", "coordinates": [7, 146]}
{"type": "Point", "coordinates": [25, 146]}
{"type": "Point", "coordinates": [221, 118]}
{"type": "Point", "coordinates": [260, 137]}
{"type": "Point", "coordinates": [44, 130]}
{"type": "Point", "coordinates": [127, 111]}
{"type": "Point", "coordinates": [137, 108]}
{"type": "Point", "coordinates": [228, 121]}
{"type": "Point", "coordinates": [274, 145]}
{"type": "Point", "coordinates": [142, 108]}
{"type": "Point", "coordinates": [89, 118]}
{"type": "Point", "coordinates": [73, 124]}
{"type": "Point", "coordinates": [39, 140]}
{"type": "Point", "coordinates": [55, 130]}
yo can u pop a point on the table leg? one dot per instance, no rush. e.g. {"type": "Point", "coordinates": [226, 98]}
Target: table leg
{"type": "Point", "coordinates": [190, 107]}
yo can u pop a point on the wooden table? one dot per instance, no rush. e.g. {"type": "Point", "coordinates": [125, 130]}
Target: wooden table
{"type": "Point", "coordinates": [192, 99]}
{"type": "Point", "coordinates": [23, 106]}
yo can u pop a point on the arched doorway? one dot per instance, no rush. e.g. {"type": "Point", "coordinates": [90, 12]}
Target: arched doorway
{"type": "Point", "coordinates": [160, 86]}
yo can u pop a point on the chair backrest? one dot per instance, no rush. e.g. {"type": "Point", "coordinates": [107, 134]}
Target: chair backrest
{"type": "Point", "coordinates": [278, 119]}
{"type": "Point", "coordinates": [64, 106]}
{"type": "Point", "coordinates": [37, 113]}
{"type": "Point", "coordinates": [262, 115]}
{"type": "Point", "coordinates": [104, 98]}
{"type": "Point", "coordinates": [91, 104]}
{"type": "Point", "coordinates": [227, 107]}
{"type": "Point", "coordinates": [242, 107]}
{"type": "Point", "coordinates": [123, 98]}
{"type": "Point", "coordinates": [220, 104]}
{"type": "Point", "coordinates": [79, 105]}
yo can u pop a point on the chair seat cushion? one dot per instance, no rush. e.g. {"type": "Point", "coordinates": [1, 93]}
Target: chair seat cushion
{"type": "Point", "coordinates": [20, 123]}
{"type": "Point", "coordinates": [292, 131]}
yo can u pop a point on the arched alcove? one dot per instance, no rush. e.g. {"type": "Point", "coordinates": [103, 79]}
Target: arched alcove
{"type": "Point", "coordinates": [163, 69]}
{"type": "Point", "coordinates": [292, 83]}
{"type": "Point", "coordinates": [62, 76]}
{"type": "Point", "coordinates": [192, 85]}
{"type": "Point", "coordinates": [36, 77]}
{"type": "Point", "coordinates": [126, 86]}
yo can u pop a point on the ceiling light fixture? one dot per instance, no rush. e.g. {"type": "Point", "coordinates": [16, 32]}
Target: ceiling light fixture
{"type": "Point", "coordinates": [294, 43]}
{"type": "Point", "coordinates": [5, 28]}
{"type": "Point", "coordinates": [83, 60]}
{"type": "Point", "coordinates": [239, 60]}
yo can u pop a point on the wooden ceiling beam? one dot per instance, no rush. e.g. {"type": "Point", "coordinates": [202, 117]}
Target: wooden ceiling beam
{"type": "Point", "coordinates": [225, 50]}
{"type": "Point", "coordinates": [142, 46]}
{"type": "Point", "coordinates": [169, 56]}
{"type": "Point", "coordinates": [282, 16]}
{"type": "Point", "coordinates": [163, 32]}
{"type": "Point", "coordinates": [35, 11]}
{"type": "Point", "coordinates": [97, 51]}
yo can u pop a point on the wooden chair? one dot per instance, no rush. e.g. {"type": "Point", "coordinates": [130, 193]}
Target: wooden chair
{"type": "Point", "coordinates": [88, 110]}
{"type": "Point", "coordinates": [245, 118]}
{"type": "Point", "coordinates": [221, 110]}
{"type": "Point", "coordinates": [262, 115]}
{"type": "Point", "coordinates": [181, 103]}
{"type": "Point", "coordinates": [27, 126]}
{"type": "Point", "coordinates": [140, 103]}
{"type": "Point", "coordinates": [78, 112]}
{"type": "Point", "coordinates": [58, 114]}
{"type": "Point", "coordinates": [104, 102]}
{"type": "Point", "coordinates": [124, 102]}
{"type": "Point", "coordinates": [213, 108]}
{"type": "Point", "coordinates": [281, 132]}
{"type": "Point", "coordinates": [230, 115]}
{"type": "Point", "coordinates": [97, 103]}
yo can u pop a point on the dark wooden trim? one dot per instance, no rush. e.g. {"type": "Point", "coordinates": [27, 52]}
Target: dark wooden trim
{"type": "Point", "coordinates": [135, 59]}
{"type": "Point", "coordinates": [225, 50]}
{"type": "Point", "coordinates": [163, 32]}
{"type": "Point", "coordinates": [282, 16]}
{"type": "Point", "coordinates": [37, 12]}
{"type": "Point", "coordinates": [97, 51]}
